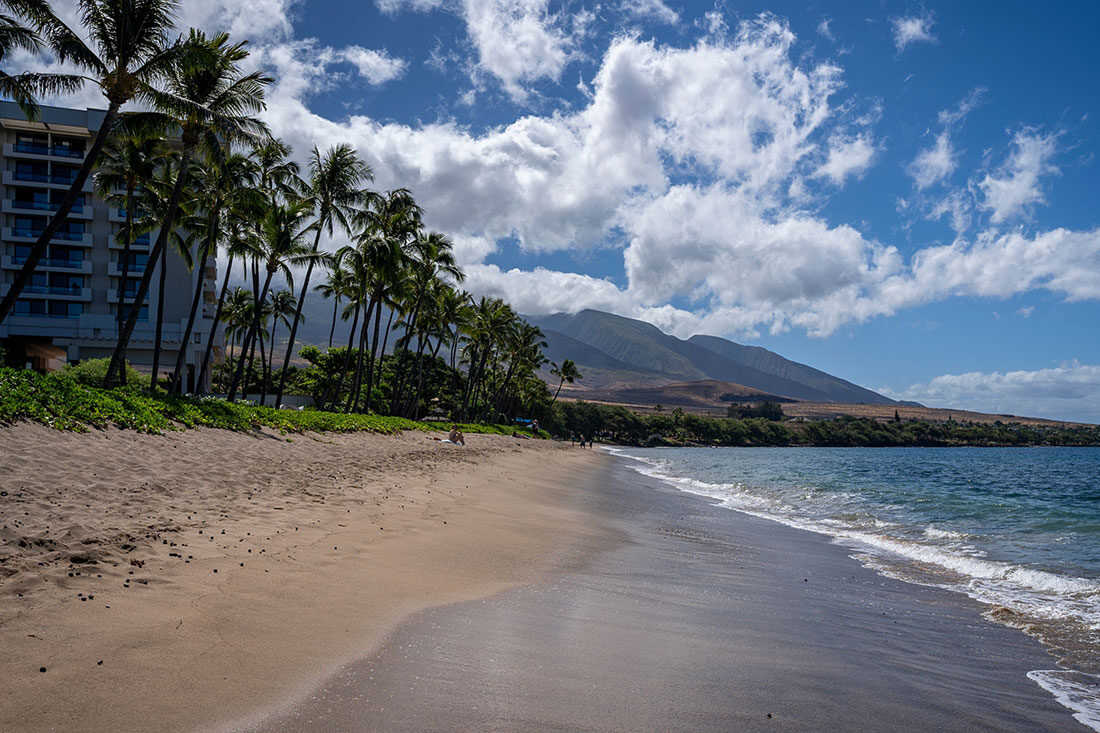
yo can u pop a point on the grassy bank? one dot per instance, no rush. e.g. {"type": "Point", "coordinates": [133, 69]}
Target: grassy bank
{"type": "Point", "coordinates": [62, 402]}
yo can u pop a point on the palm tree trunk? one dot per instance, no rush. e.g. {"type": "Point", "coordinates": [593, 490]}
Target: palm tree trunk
{"type": "Point", "coordinates": [158, 338]}
{"type": "Point", "coordinates": [374, 349]}
{"type": "Point", "coordinates": [214, 329]}
{"type": "Point", "coordinates": [7, 304]}
{"type": "Point", "coordinates": [185, 344]}
{"type": "Point", "coordinates": [419, 368]}
{"type": "Point", "coordinates": [347, 362]}
{"type": "Point", "coordinates": [297, 317]}
{"type": "Point", "coordinates": [357, 381]}
{"type": "Point", "coordinates": [331, 331]}
{"type": "Point", "coordinates": [264, 376]}
{"type": "Point", "coordinates": [255, 309]}
{"type": "Point", "coordinates": [250, 339]}
{"type": "Point", "coordinates": [158, 249]}
{"type": "Point", "coordinates": [125, 270]}
{"type": "Point", "coordinates": [399, 370]}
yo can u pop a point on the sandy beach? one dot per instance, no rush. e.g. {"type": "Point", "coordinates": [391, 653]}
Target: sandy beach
{"type": "Point", "coordinates": [206, 579]}
{"type": "Point", "coordinates": [209, 580]}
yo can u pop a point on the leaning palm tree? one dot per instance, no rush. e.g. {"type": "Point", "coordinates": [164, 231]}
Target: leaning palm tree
{"type": "Point", "coordinates": [336, 190]}
{"type": "Point", "coordinates": [129, 164]}
{"type": "Point", "coordinates": [130, 51]}
{"type": "Point", "coordinates": [25, 88]}
{"type": "Point", "coordinates": [212, 102]}
{"type": "Point", "coordinates": [282, 244]}
{"type": "Point", "coordinates": [335, 286]}
{"type": "Point", "coordinates": [221, 184]}
{"type": "Point", "coordinates": [567, 372]}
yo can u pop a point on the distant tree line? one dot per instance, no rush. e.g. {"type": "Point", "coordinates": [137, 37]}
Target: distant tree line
{"type": "Point", "coordinates": [616, 424]}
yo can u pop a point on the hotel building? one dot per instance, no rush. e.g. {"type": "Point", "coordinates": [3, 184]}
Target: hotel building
{"type": "Point", "coordinates": [69, 311]}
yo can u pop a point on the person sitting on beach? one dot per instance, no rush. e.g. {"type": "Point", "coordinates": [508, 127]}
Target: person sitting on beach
{"type": "Point", "coordinates": [455, 436]}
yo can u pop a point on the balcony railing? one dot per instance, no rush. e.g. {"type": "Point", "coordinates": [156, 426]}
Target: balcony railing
{"type": "Point", "coordinates": [50, 262]}
{"type": "Point", "coordinates": [32, 148]}
{"type": "Point", "coordinates": [35, 177]}
{"type": "Point", "coordinates": [60, 234]}
{"type": "Point", "coordinates": [75, 291]}
{"type": "Point", "coordinates": [43, 206]}
{"type": "Point", "coordinates": [63, 180]}
{"type": "Point", "coordinates": [63, 152]}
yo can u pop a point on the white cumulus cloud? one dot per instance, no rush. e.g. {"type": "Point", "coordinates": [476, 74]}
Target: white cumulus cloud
{"type": "Point", "coordinates": [934, 164]}
{"type": "Point", "coordinates": [377, 67]}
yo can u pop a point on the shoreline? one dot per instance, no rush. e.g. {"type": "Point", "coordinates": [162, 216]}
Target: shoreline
{"type": "Point", "coordinates": [704, 619]}
{"type": "Point", "coordinates": [260, 565]}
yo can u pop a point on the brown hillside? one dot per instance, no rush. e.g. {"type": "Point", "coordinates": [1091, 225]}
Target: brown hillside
{"type": "Point", "coordinates": [713, 398]}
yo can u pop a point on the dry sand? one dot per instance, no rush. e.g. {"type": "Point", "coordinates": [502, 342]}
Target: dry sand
{"type": "Point", "coordinates": [205, 579]}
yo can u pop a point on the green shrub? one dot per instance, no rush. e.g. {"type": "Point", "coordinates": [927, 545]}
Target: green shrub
{"type": "Point", "coordinates": [92, 372]}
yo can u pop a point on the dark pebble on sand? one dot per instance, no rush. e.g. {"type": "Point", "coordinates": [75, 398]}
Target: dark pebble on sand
{"type": "Point", "coordinates": [41, 669]}
{"type": "Point", "coordinates": [242, 564]}
{"type": "Point", "coordinates": [215, 570]}
{"type": "Point", "coordinates": [99, 663]}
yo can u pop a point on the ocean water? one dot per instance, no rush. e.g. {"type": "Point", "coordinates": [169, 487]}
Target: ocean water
{"type": "Point", "coordinates": [1017, 529]}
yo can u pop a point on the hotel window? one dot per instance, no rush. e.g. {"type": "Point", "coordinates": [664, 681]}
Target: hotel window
{"type": "Point", "coordinates": [68, 148]}
{"type": "Point", "coordinates": [25, 171]}
{"type": "Point", "coordinates": [26, 143]}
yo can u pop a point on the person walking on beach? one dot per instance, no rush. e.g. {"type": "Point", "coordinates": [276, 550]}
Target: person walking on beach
{"type": "Point", "coordinates": [582, 440]}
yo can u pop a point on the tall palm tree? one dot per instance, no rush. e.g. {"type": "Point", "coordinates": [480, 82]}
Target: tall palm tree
{"type": "Point", "coordinates": [212, 102]}
{"type": "Point", "coordinates": [432, 258]}
{"type": "Point", "coordinates": [567, 372]}
{"type": "Point", "coordinates": [239, 240]}
{"type": "Point", "coordinates": [221, 184]}
{"type": "Point", "coordinates": [388, 227]}
{"type": "Point", "coordinates": [130, 51]}
{"type": "Point", "coordinates": [281, 308]}
{"type": "Point", "coordinates": [491, 317]}
{"type": "Point", "coordinates": [285, 229]}
{"type": "Point", "coordinates": [335, 189]}
{"type": "Point", "coordinates": [279, 177]}
{"type": "Point", "coordinates": [335, 286]}
{"type": "Point", "coordinates": [25, 88]}
{"type": "Point", "coordinates": [129, 163]}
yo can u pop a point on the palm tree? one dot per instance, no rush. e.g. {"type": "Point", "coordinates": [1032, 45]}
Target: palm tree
{"type": "Point", "coordinates": [131, 52]}
{"type": "Point", "coordinates": [282, 243]}
{"type": "Point", "coordinates": [490, 319]}
{"type": "Point", "coordinates": [222, 184]}
{"type": "Point", "coordinates": [239, 227]}
{"type": "Point", "coordinates": [335, 286]}
{"type": "Point", "coordinates": [153, 198]}
{"type": "Point", "coordinates": [129, 163]}
{"type": "Point", "coordinates": [281, 307]}
{"type": "Point", "coordinates": [335, 189]}
{"type": "Point", "coordinates": [212, 101]}
{"type": "Point", "coordinates": [26, 87]}
{"type": "Point", "coordinates": [432, 258]}
{"type": "Point", "coordinates": [389, 225]}
{"type": "Point", "coordinates": [567, 372]}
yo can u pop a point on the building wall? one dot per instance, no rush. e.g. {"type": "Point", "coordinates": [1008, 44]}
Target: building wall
{"type": "Point", "coordinates": [79, 281]}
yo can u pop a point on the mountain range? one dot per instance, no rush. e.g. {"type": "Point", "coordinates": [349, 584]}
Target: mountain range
{"type": "Point", "coordinates": [615, 353]}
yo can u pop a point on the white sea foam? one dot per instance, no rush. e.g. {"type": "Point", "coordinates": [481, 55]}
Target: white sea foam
{"type": "Point", "coordinates": [1023, 590]}
{"type": "Point", "coordinates": [1075, 690]}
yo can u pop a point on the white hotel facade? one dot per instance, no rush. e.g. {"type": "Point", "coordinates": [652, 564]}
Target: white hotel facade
{"type": "Point", "coordinates": [68, 313]}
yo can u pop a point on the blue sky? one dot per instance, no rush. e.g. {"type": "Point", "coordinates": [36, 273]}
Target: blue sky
{"type": "Point", "coordinates": [903, 194]}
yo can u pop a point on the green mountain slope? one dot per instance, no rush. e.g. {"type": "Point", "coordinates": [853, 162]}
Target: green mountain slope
{"type": "Point", "coordinates": [643, 348]}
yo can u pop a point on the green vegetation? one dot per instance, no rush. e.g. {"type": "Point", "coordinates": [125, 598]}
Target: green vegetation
{"type": "Point", "coordinates": [64, 403]}
{"type": "Point", "coordinates": [619, 425]}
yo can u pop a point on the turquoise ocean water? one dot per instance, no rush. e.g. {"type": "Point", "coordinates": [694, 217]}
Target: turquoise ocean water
{"type": "Point", "coordinates": [1016, 529]}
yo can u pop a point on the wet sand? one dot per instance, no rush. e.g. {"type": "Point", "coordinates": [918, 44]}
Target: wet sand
{"type": "Point", "coordinates": [702, 619]}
